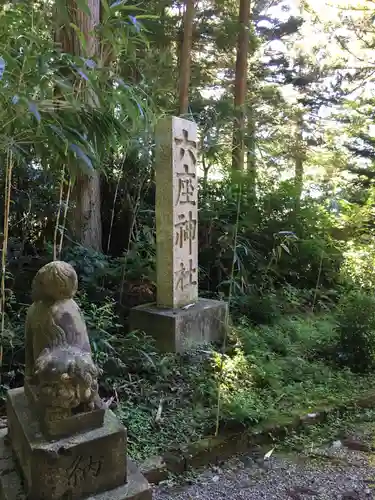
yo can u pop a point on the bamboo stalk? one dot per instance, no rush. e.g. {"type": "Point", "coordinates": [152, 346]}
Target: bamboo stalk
{"type": "Point", "coordinates": [7, 189]}
{"type": "Point", "coordinates": [65, 215]}
{"type": "Point", "coordinates": [113, 209]}
{"type": "Point", "coordinates": [58, 214]}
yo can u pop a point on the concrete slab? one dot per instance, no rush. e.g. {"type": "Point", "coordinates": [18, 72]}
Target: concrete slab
{"type": "Point", "coordinates": [177, 330]}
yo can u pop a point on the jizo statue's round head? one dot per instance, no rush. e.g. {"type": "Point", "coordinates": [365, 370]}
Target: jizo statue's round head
{"type": "Point", "coordinates": [56, 280]}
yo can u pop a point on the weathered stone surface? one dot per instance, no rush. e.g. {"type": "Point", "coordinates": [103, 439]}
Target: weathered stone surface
{"type": "Point", "coordinates": [155, 469]}
{"type": "Point", "coordinates": [11, 488]}
{"type": "Point", "coordinates": [73, 467]}
{"type": "Point", "coordinates": [58, 422]}
{"type": "Point", "coordinates": [356, 444]}
{"type": "Point", "coordinates": [177, 330]}
{"type": "Point", "coordinates": [57, 349]}
{"type": "Point", "coordinates": [179, 320]}
{"type": "Point", "coordinates": [176, 212]}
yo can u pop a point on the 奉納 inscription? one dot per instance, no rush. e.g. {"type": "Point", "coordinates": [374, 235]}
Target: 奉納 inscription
{"type": "Point", "coordinates": [83, 468]}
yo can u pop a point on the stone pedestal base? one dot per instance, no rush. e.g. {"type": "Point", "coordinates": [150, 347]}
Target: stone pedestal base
{"type": "Point", "coordinates": [12, 488]}
{"type": "Point", "coordinates": [177, 330]}
{"type": "Point", "coordinates": [60, 422]}
{"type": "Point", "coordinates": [74, 467]}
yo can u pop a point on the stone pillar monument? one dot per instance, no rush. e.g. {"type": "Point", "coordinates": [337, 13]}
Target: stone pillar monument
{"type": "Point", "coordinates": [179, 319]}
{"type": "Point", "coordinates": [63, 443]}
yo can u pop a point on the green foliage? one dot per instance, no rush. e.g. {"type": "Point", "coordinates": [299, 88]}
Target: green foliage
{"type": "Point", "coordinates": [268, 372]}
{"type": "Point", "coordinates": [359, 266]}
{"type": "Point", "coordinates": [281, 368]}
{"type": "Point", "coordinates": [259, 308]}
{"type": "Point", "coordinates": [102, 323]}
{"type": "Point", "coordinates": [181, 388]}
{"type": "Point", "coordinates": [277, 251]}
{"type": "Point", "coordinates": [92, 268]}
{"type": "Point", "coordinates": [129, 278]}
{"type": "Point", "coordinates": [356, 326]}
{"type": "Point", "coordinates": [347, 422]}
{"type": "Point", "coordinates": [47, 121]}
{"type": "Point", "coordinates": [89, 264]}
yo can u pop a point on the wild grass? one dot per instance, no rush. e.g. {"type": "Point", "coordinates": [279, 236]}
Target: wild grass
{"type": "Point", "coordinates": [269, 373]}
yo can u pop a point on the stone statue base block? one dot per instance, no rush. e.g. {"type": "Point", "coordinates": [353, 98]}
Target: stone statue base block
{"type": "Point", "coordinates": [60, 422]}
{"type": "Point", "coordinates": [72, 467]}
{"type": "Point", "coordinates": [177, 330]}
{"type": "Point", "coordinates": [11, 484]}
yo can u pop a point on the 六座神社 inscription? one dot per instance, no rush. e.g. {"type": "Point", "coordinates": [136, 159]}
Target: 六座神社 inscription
{"type": "Point", "coordinates": [186, 222]}
{"type": "Point", "coordinates": [180, 319]}
{"type": "Point", "coordinates": [187, 180]}
{"type": "Point", "coordinates": [186, 187]}
{"type": "Point", "coordinates": [185, 276]}
{"type": "Point", "coordinates": [187, 147]}
{"type": "Point", "coordinates": [186, 230]}
{"type": "Point", "coordinates": [177, 213]}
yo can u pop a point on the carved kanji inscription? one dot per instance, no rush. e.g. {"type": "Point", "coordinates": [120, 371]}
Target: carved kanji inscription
{"type": "Point", "coordinates": [176, 212]}
{"type": "Point", "coordinates": [185, 231]}
{"type": "Point", "coordinates": [82, 468]}
{"type": "Point", "coordinates": [186, 276]}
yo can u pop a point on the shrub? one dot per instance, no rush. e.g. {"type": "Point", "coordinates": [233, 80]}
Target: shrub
{"type": "Point", "coordinates": [358, 267]}
{"type": "Point", "coordinates": [356, 327]}
{"type": "Point", "coordinates": [259, 308]}
{"type": "Point", "coordinates": [282, 368]}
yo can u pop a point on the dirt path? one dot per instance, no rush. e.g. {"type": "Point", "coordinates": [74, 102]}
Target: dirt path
{"type": "Point", "coordinates": [344, 469]}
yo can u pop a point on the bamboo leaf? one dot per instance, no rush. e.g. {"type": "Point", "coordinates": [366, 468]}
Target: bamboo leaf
{"type": "Point", "coordinates": [2, 67]}
{"type": "Point", "coordinates": [80, 154]}
{"type": "Point", "coordinates": [34, 110]}
{"type": "Point", "coordinates": [147, 16]}
{"type": "Point", "coordinates": [285, 248]}
{"type": "Point", "coordinates": [84, 7]}
{"type": "Point", "coordinates": [79, 35]}
{"type": "Point", "coordinates": [58, 132]}
{"type": "Point", "coordinates": [269, 453]}
{"type": "Point", "coordinates": [105, 6]}
{"type": "Point", "coordinates": [117, 3]}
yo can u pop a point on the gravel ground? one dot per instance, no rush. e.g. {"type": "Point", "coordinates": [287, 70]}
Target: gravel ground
{"type": "Point", "coordinates": [341, 470]}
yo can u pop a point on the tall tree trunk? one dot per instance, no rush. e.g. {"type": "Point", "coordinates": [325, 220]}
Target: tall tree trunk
{"type": "Point", "coordinates": [86, 216]}
{"type": "Point", "coordinates": [251, 154]}
{"type": "Point", "coordinates": [300, 146]}
{"type": "Point", "coordinates": [185, 57]}
{"type": "Point", "coordinates": [240, 87]}
{"type": "Point", "coordinates": [299, 159]}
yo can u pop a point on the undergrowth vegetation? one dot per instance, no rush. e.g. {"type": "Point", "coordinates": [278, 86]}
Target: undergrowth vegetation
{"type": "Point", "coordinates": [267, 373]}
{"type": "Point", "coordinates": [286, 240]}
{"type": "Point", "coordinates": [302, 332]}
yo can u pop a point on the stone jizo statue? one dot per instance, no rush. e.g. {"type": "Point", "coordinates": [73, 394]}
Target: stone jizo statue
{"type": "Point", "coordinates": [58, 354]}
